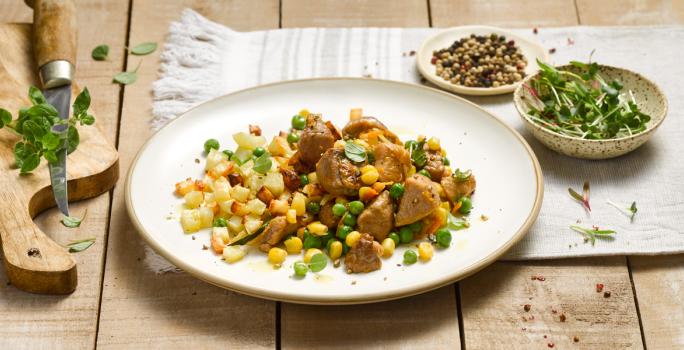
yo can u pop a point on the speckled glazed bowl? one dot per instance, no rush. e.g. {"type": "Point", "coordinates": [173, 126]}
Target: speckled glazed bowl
{"type": "Point", "coordinates": [650, 99]}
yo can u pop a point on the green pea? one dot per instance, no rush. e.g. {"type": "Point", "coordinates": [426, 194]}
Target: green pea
{"type": "Point", "coordinates": [339, 209]}
{"type": "Point", "coordinates": [300, 268]}
{"type": "Point", "coordinates": [349, 220]}
{"type": "Point", "coordinates": [258, 152]}
{"type": "Point", "coordinates": [425, 173]}
{"type": "Point", "coordinates": [313, 207]}
{"type": "Point", "coordinates": [220, 222]}
{"type": "Point", "coordinates": [395, 237]}
{"type": "Point", "coordinates": [466, 205]}
{"type": "Point", "coordinates": [396, 190]}
{"type": "Point", "coordinates": [312, 241]}
{"type": "Point", "coordinates": [446, 161]}
{"type": "Point", "coordinates": [410, 257]}
{"type": "Point", "coordinates": [343, 231]}
{"type": "Point", "coordinates": [210, 144]}
{"type": "Point", "coordinates": [356, 207]}
{"type": "Point", "coordinates": [292, 138]}
{"type": "Point", "coordinates": [416, 226]}
{"type": "Point", "coordinates": [406, 234]}
{"type": "Point", "coordinates": [303, 179]}
{"type": "Point", "coordinates": [443, 237]}
{"type": "Point", "coordinates": [228, 153]}
{"type": "Point", "coordinates": [298, 122]}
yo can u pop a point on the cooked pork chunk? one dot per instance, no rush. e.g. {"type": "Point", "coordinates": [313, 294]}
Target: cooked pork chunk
{"type": "Point", "coordinates": [434, 166]}
{"type": "Point", "coordinates": [420, 198]}
{"type": "Point", "coordinates": [316, 138]}
{"type": "Point", "coordinates": [337, 174]}
{"type": "Point", "coordinates": [363, 257]}
{"type": "Point", "coordinates": [378, 218]}
{"type": "Point", "coordinates": [455, 189]}
{"type": "Point", "coordinates": [326, 215]}
{"type": "Point", "coordinates": [356, 127]}
{"type": "Point", "coordinates": [275, 231]}
{"type": "Point", "coordinates": [392, 161]}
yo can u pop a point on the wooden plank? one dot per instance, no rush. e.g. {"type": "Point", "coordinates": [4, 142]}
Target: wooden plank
{"type": "Point", "coordinates": [140, 308]}
{"type": "Point", "coordinates": [40, 321]}
{"type": "Point", "coordinates": [630, 12]}
{"type": "Point", "coordinates": [396, 324]}
{"type": "Point", "coordinates": [494, 312]}
{"type": "Point", "coordinates": [504, 13]}
{"type": "Point", "coordinates": [355, 13]}
{"type": "Point", "coordinates": [659, 287]}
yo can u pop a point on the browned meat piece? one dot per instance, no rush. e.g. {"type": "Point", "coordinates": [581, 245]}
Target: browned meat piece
{"type": "Point", "coordinates": [434, 166]}
{"type": "Point", "coordinates": [392, 161]}
{"type": "Point", "coordinates": [326, 215]}
{"type": "Point", "coordinates": [359, 126]}
{"type": "Point", "coordinates": [455, 189]}
{"type": "Point", "coordinates": [316, 138]}
{"type": "Point", "coordinates": [275, 231]}
{"type": "Point", "coordinates": [378, 218]}
{"type": "Point", "coordinates": [337, 174]}
{"type": "Point", "coordinates": [298, 165]}
{"type": "Point", "coordinates": [420, 198]}
{"type": "Point", "coordinates": [291, 179]}
{"type": "Point", "coordinates": [363, 257]}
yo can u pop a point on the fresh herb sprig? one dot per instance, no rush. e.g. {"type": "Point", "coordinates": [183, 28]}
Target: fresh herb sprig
{"type": "Point", "coordinates": [355, 152]}
{"type": "Point", "coordinates": [583, 105]}
{"type": "Point", "coordinates": [37, 125]}
{"type": "Point", "coordinates": [80, 245]}
{"type": "Point", "coordinates": [592, 233]}
{"type": "Point", "coordinates": [584, 197]}
{"type": "Point", "coordinates": [417, 151]}
{"type": "Point", "coordinates": [630, 211]}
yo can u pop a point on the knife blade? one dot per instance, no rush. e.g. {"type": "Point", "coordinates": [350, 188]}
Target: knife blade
{"type": "Point", "coordinates": [54, 44]}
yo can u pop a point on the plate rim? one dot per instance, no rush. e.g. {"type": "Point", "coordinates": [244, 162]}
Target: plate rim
{"type": "Point", "coordinates": [335, 300]}
{"type": "Point", "coordinates": [474, 91]}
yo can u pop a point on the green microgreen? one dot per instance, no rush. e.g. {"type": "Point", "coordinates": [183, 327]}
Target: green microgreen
{"type": "Point", "coordinates": [629, 211]}
{"type": "Point", "coordinates": [592, 233]}
{"type": "Point", "coordinates": [80, 245]}
{"type": "Point", "coordinates": [462, 176]}
{"type": "Point", "coordinates": [584, 198]}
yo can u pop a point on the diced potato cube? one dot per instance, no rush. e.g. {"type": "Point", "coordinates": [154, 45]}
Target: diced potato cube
{"type": "Point", "coordinates": [255, 182]}
{"type": "Point", "coordinates": [217, 243]}
{"type": "Point", "coordinates": [313, 177]}
{"type": "Point", "coordinates": [233, 254]}
{"type": "Point", "coordinates": [226, 206]}
{"type": "Point", "coordinates": [223, 168]}
{"type": "Point", "coordinates": [235, 224]}
{"type": "Point", "coordinates": [256, 206]}
{"type": "Point", "coordinates": [221, 189]}
{"type": "Point", "coordinates": [278, 207]}
{"type": "Point", "coordinates": [275, 183]}
{"type": "Point", "coordinates": [252, 223]}
{"type": "Point", "coordinates": [206, 217]}
{"type": "Point", "coordinates": [279, 147]}
{"type": "Point", "coordinates": [239, 193]}
{"type": "Point", "coordinates": [243, 154]}
{"type": "Point", "coordinates": [264, 195]}
{"type": "Point", "coordinates": [214, 158]}
{"type": "Point", "coordinates": [190, 221]}
{"type": "Point", "coordinates": [193, 199]}
{"type": "Point", "coordinates": [299, 203]}
{"type": "Point", "coordinates": [248, 141]}
{"type": "Point", "coordinates": [245, 169]}
{"type": "Point", "coordinates": [239, 209]}
{"type": "Point", "coordinates": [221, 232]}
{"type": "Point", "coordinates": [206, 184]}
{"type": "Point", "coordinates": [209, 198]}
{"type": "Point", "coordinates": [183, 187]}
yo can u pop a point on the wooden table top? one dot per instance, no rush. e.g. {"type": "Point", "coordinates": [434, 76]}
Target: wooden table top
{"type": "Point", "coordinates": [121, 304]}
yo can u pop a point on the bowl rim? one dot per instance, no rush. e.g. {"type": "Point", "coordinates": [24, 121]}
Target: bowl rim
{"type": "Point", "coordinates": [475, 91]}
{"type": "Point", "coordinates": [517, 101]}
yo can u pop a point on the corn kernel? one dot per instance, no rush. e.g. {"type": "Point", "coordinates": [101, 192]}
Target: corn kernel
{"type": "Point", "coordinates": [433, 144]}
{"type": "Point", "coordinates": [291, 216]}
{"type": "Point", "coordinates": [353, 238]}
{"type": "Point", "coordinates": [310, 253]}
{"type": "Point", "coordinates": [317, 228]}
{"type": "Point", "coordinates": [370, 177]}
{"type": "Point", "coordinates": [233, 254]}
{"type": "Point", "coordinates": [443, 215]}
{"type": "Point", "coordinates": [184, 187]}
{"type": "Point", "coordinates": [378, 186]}
{"type": "Point", "coordinates": [193, 199]}
{"type": "Point", "coordinates": [412, 171]}
{"type": "Point", "coordinates": [420, 138]}
{"type": "Point", "coordinates": [425, 251]}
{"type": "Point", "coordinates": [388, 246]}
{"type": "Point", "coordinates": [293, 245]}
{"type": "Point", "coordinates": [304, 112]}
{"type": "Point", "coordinates": [335, 250]}
{"type": "Point", "coordinates": [367, 193]}
{"type": "Point", "coordinates": [276, 256]}
{"type": "Point", "coordinates": [366, 168]}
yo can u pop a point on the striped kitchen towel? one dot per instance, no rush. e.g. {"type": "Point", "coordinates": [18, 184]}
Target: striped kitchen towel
{"type": "Point", "coordinates": [203, 59]}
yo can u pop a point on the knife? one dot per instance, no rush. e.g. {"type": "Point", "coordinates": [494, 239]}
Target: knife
{"type": "Point", "coordinates": [54, 45]}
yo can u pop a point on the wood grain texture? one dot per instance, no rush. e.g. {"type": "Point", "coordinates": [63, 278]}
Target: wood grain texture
{"type": "Point", "coordinates": [355, 13]}
{"type": "Point", "coordinates": [493, 303]}
{"type": "Point", "coordinates": [630, 12]}
{"type": "Point", "coordinates": [54, 31]}
{"type": "Point", "coordinates": [29, 321]}
{"type": "Point", "coordinates": [659, 286]}
{"type": "Point", "coordinates": [503, 13]}
{"type": "Point", "coordinates": [141, 309]}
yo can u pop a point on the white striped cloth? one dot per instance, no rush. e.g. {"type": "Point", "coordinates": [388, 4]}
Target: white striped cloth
{"type": "Point", "coordinates": [202, 60]}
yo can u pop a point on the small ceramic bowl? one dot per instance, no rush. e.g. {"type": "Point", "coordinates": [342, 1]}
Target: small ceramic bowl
{"type": "Point", "coordinates": [649, 97]}
{"type": "Point", "coordinates": [530, 50]}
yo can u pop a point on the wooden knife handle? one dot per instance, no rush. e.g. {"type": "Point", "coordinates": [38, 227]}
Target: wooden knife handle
{"type": "Point", "coordinates": [54, 31]}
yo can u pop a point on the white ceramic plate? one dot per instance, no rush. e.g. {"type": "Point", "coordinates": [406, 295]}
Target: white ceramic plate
{"type": "Point", "coordinates": [509, 185]}
{"type": "Point", "coordinates": [445, 38]}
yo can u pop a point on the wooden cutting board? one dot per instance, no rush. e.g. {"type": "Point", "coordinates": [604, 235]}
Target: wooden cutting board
{"type": "Point", "coordinates": [34, 262]}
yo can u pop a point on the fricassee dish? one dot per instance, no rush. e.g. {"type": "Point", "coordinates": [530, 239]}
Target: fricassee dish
{"type": "Point", "coordinates": [355, 193]}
